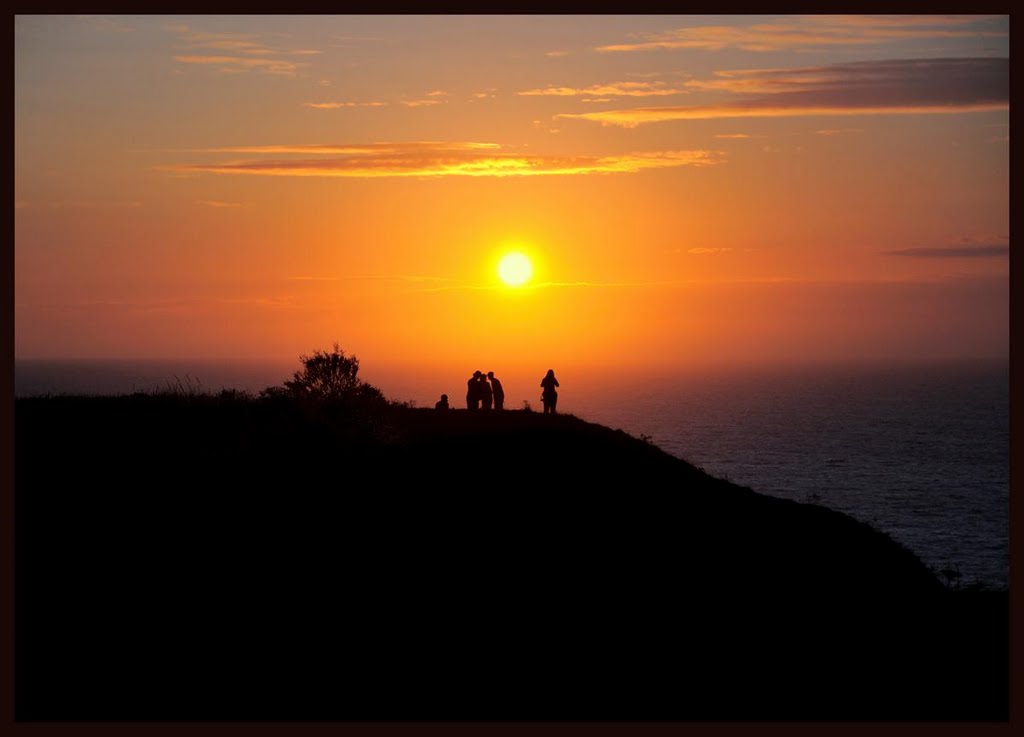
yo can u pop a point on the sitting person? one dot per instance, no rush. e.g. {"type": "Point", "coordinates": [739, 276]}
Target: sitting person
{"type": "Point", "coordinates": [442, 403]}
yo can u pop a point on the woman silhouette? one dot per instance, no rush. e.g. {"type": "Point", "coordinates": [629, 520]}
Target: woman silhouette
{"type": "Point", "coordinates": [550, 396]}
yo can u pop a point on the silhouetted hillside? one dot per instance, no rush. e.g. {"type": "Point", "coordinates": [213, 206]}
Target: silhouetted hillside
{"type": "Point", "coordinates": [209, 558]}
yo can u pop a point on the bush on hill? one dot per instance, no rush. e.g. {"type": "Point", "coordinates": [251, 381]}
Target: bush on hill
{"type": "Point", "coordinates": [329, 378]}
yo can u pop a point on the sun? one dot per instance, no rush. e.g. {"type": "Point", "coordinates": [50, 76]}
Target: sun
{"type": "Point", "coordinates": [515, 269]}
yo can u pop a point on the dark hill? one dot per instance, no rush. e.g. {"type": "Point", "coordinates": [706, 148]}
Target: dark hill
{"type": "Point", "coordinates": [208, 558]}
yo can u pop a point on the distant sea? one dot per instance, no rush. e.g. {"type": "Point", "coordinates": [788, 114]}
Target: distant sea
{"type": "Point", "coordinates": [921, 452]}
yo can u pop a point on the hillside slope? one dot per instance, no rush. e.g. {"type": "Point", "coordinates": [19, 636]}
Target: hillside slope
{"type": "Point", "coordinates": [224, 558]}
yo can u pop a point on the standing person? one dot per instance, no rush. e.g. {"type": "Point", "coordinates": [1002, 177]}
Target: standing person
{"type": "Point", "coordinates": [473, 391]}
{"type": "Point", "coordinates": [550, 396]}
{"type": "Point", "coordinates": [485, 392]}
{"type": "Point", "coordinates": [499, 392]}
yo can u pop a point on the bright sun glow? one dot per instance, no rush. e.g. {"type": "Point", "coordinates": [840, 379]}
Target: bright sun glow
{"type": "Point", "coordinates": [515, 269]}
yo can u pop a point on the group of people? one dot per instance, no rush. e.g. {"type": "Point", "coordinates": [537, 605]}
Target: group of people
{"type": "Point", "coordinates": [484, 391]}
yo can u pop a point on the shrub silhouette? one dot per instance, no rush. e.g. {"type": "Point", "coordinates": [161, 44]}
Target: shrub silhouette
{"type": "Point", "coordinates": [329, 378]}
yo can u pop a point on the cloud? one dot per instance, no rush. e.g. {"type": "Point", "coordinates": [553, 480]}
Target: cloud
{"type": "Point", "coordinates": [237, 52]}
{"type": "Point", "coordinates": [218, 203]}
{"type": "Point", "coordinates": [652, 75]}
{"type": "Point", "coordinates": [713, 251]}
{"type": "Point", "coordinates": [556, 54]}
{"type": "Point", "coordinates": [820, 31]}
{"type": "Point", "coordinates": [384, 147]}
{"type": "Point", "coordinates": [438, 93]}
{"type": "Point", "coordinates": [242, 64]}
{"type": "Point", "coordinates": [736, 135]}
{"type": "Point", "coordinates": [986, 240]}
{"type": "Point", "coordinates": [856, 76]}
{"type": "Point", "coordinates": [837, 131]}
{"type": "Point", "coordinates": [898, 87]}
{"type": "Point", "coordinates": [418, 278]}
{"type": "Point", "coordinates": [991, 251]}
{"type": "Point", "coordinates": [424, 159]}
{"type": "Point", "coordinates": [338, 105]}
{"type": "Point", "coordinates": [536, 286]}
{"type": "Point", "coordinates": [613, 89]}
{"type": "Point", "coordinates": [420, 103]}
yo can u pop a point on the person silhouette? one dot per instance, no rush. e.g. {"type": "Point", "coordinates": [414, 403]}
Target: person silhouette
{"type": "Point", "coordinates": [550, 396]}
{"type": "Point", "coordinates": [442, 403]}
{"type": "Point", "coordinates": [486, 395]}
{"type": "Point", "coordinates": [498, 391]}
{"type": "Point", "coordinates": [473, 391]}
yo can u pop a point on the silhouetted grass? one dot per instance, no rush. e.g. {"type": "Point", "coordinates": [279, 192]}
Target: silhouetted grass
{"type": "Point", "coordinates": [184, 555]}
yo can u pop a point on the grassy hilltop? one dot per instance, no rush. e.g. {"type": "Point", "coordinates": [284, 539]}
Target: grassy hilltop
{"type": "Point", "coordinates": [229, 557]}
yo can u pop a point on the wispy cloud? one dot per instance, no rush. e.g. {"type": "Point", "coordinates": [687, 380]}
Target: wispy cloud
{"type": "Point", "coordinates": [818, 31]}
{"type": "Point", "coordinates": [899, 87]}
{"type": "Point", "coordinates": [935, 75]}
{"type": "Point", "coordinates": [237, 52]}
{"type": "Point", "coordinates": [991, 251]}
{"type": "Point", "coordinates": [837, 131]}
{"type": "Point", "coordinates": [611, 89]}
{"type": "Point", "coordinates": [438, 93]}
{"type": "Point", "coordinates": [985, 239]}
{"type": "Point", "coordinates": [736, 135]}
{"type": "Point", "coordinates": [654, 75]}
{"type": "Point", "coordinates": [424, 159]}
{"type": "Point", "coordinates": [420, 103]}
{"type": "Point", "coordinates": [556, 54]}
{"type": "Point", "coordinates": [383, 147]}
{"type": "Point", "coordinates": [218, 203]}
{"type": "Point", "coordinates": [536, 286]}
{"type": "Point", "coordinates": [710, 251]}
{"type": "Point", "coordinates": [243, 64]}
{"type": "Point", "coordinates": [416, 278]}
{"type": "Point", "coordinates": [339, 105]}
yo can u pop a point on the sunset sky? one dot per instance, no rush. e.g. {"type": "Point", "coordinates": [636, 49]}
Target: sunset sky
{"type": "Point", "coordinates": [689, 189]}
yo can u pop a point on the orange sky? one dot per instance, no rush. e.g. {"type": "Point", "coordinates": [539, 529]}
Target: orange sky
{"type": "Point", "coordinates": [690, 189]}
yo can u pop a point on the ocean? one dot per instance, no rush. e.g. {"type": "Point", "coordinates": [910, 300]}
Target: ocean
{"type": "Point", "coordinates": [920, 452]}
